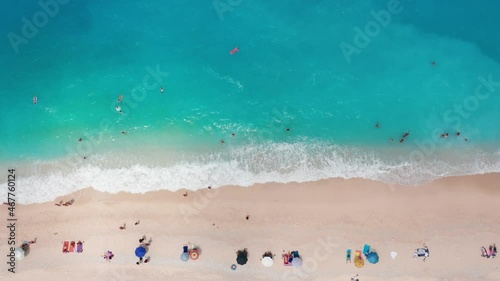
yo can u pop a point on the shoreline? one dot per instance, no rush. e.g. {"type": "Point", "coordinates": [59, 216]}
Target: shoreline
{"type": "Point", "coordinates": [144, 171]}
{"type": "Point", "coordinates": [454, 216]}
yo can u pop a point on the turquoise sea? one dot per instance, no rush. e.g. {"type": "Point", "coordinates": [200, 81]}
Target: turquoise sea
{"type": "Point", "coordinates": [302, 96]}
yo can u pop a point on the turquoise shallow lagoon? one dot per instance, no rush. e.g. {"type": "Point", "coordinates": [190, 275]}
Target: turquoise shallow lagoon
{"type": "Point", "coordinates": [301, 105]}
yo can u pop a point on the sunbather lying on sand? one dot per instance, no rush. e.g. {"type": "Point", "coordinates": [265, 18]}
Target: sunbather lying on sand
{"type": "Point", "coordinates": [69, 203]}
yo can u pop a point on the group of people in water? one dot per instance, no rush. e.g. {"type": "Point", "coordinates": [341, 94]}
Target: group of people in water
{"type": "Point", "coordinates": [405, 135]}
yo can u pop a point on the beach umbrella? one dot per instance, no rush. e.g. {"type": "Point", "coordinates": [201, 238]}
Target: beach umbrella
{"type": "Point", "coordinates": [372, 257]}
{"type": "Point", "coordinates": [267, 261]}
{"type": "Point", "coordinates": [359, 262]}
{"type": "Point", "coordinates": [185, 256]}
{"type": "Point", "coordinates": [194, 254]}
{"type": "Point", "coordinates": [297, 262]}
{"type": "Point", "coordinates": [19, 254]}
{"type": "Point", "coordinates": [242, 259]}
{"type": "Point", "coordinates": [233, 266]}
{"type": "Point", "coordinates": [140, 252]}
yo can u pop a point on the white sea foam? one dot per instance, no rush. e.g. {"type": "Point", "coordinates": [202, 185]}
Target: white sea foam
{"type": "Point", "coordinates": [240, 165]}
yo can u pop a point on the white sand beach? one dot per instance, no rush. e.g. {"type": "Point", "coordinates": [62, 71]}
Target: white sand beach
{"type": "Point", "coordinates": [454, 217]}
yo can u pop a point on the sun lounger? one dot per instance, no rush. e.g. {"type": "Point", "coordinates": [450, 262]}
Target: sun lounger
{"type": "Point", "coordinates": [72, 245]}
{"type": "Point", "coordinates": [366, 249]}
{"type": "Point", "coordinates": [79, 247]}
{"type": "Point", "coordinates": [484, 253]}
{"type": "Point", "coordinates": [65, 246]}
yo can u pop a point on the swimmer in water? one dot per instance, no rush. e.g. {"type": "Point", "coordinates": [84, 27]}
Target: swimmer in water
{"type": "Point", "coordinates": [233, 135]}
{"type": "Point", "coordinates": [444, 135]}
{"type": "Point", "coordinates": [457, 134]}
{"type": "Point", "coordinates": [406, 134]}
{"type": "Point", "coordinates": [401, 140]}
{"type": "Point", "coordinates": [161, 89]}
{"type": "Point", "coordinates": [118, 108]}
{"type": "Point", "coordinates": [288, 129]}
{"type": "Point", "coordinates": [120, 98]}
{"type": "Point", "coordinates": [377, 125]}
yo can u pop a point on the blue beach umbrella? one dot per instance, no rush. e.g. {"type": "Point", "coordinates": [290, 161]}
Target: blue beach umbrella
{"type": "Point", "coordinates": [185, 256]}
{"type": "Point", "coordinates": [372, 257]}
{"type": "Point", "coordinates": [140, 252]}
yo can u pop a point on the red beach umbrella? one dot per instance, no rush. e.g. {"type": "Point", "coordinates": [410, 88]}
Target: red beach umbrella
{"type": "Point", "coordinates": [194, 254]}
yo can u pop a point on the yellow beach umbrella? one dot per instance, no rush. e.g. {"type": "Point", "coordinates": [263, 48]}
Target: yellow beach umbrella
{"type": "Point", "coordinates": [359, 262]}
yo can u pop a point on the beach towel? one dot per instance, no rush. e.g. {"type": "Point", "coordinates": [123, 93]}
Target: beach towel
{"type": "Point", "coordinates": [79, 247]}
{"type": "Point", "coordinates": [286, 259]}
{"type": "Point", "coordinates": [72, 247]}
{"type": "Point", "coordinates": [65, 246]}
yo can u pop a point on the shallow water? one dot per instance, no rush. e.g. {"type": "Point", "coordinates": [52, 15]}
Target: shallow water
{"type": "Point", "coordinates": [290, 73]}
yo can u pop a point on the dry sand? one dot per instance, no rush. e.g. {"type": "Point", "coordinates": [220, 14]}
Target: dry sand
{"type": "Point", "coordinates": [454, 217]}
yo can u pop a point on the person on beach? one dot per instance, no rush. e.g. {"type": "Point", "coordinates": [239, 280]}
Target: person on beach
{"type": "Point", "coordinates": [142, 239]}
{"type": "Point", "coordinates": [137, 222]}
{"type": "Point", "coordinates": [108, 255]}
{"type": "Point", "coordinates": [494, 250]}
{"type": "Point", "coordinates": [123, 227]}
{"type": "Point", "coordinates": [69, 203]}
